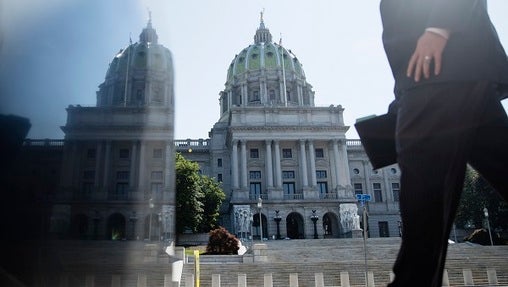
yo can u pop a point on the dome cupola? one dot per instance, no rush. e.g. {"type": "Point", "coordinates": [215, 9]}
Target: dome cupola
{"type": "Point", "coordinates": [265, 74]}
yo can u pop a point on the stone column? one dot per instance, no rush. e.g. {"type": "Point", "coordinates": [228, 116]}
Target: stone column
{"type": "Point", "coordinates": [234, 163]}
{"type": "Point", "coordinates": [268, 162]}
{"type": "Point", "coordinates": [169, 167]}
{"type": "Point", "coordinates": [133, 166]}
{"type": "Point", "coordinates": [345, 160]}
{"type": "Point", "coordinates": [336, 158]}
{"type": "Point", "coordinates": [366, 172]}
{"type": "Point", "coordinates": [98, 158]}
{"type": "Point", "coordinates": [141, 176]}
{"type": "Point", "coordinates": [278, 172]}
{"type": "Point", "coordinates": [303, 164]}
{"type": "Point", "coordinates": [243, 152]}
{"type": "Point", "coordinates": [313, 180]}
{"type": "Point", "coordinates": [107, 157]}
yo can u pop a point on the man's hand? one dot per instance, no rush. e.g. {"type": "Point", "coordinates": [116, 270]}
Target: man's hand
{"type": "Point", "coordinates": [429, 48]}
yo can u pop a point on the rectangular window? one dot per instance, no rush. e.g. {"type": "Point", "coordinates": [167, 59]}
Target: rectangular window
{"type": "Point", "coordinates": [124, 153]}
{"type": "Point", "coordinates": [255, 190]}
{"type": "Point", "coordinates": [358, 188]}
{"type": "Point", "coordinates": [383, 229]}
{"type": "Point", "coordinates": [121, 188]}
{"type": "Point", "coordinates": [289, 187]}
{"type": "Point", "coordinates": [288, 174]}
{"type": "Point", "coordinates": [156, 175]}
{"type": "Point", "coordinates": [219, 162]}
{"type": "Point", "coordinates": [91, 153]}
{"type": "Point", "coordinates": [219, 177]}
{"type": "Point", "coordinates": [320, 153]}
{"type": "Point", "coordinates": [156, 188]}
{"type": "Point", "coordinates": [122, 175]}
{"type": "Point", "coordinates": [287, 153]}
{"type": "Point", "coordinates": [320, 173]}
{"type": "Point", "coordinates": [254, 174]}
{"type": "Point", "coordinates": [378, 194]}
{"type": "Point", "coordinates": [86, 189]}
{"type": "Point", "coordinates": [157, 153]}
{"type": "Point", "coordinates": [254, 153]}
{"type": "Point", "coordinates": [323, 187]}
{"type": "Point", "coordinates": [395, 190]}
{"type": "Point", "coordinates": [89, 174]}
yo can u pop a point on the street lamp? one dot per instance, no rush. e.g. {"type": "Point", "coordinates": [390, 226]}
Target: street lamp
{"type": "Point", "coordinates": [314, 217]}
{"type": "Point", "coordinates": [151, 206]}
{"type": "Point", "coordinates": [277, 220]}
{"type": "Point", "coordinates": [260, 205]}
{"type": "Point", "coordinates": [486, 213]}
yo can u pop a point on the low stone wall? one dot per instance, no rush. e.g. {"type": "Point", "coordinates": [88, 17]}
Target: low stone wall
{"type": "Point", "coordinates": [192, 239]}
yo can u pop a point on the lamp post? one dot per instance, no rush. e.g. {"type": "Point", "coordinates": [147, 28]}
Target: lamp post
{"type": "Point", "coordinates": [486, 213]}
{"type": "Point", "coordinates": [151, 206]}
{"type": "Point", "coordinates": [277, 220]}
{"type": "Point", "coordinates": [314, 217]}
{"type": "Point", "coordinates": [260, 205]}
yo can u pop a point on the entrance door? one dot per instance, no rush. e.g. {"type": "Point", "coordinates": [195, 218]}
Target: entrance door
{"type": "Point", "coordinates": [116, 227]}
{"type": "Point", "coordinates": [294, 226]}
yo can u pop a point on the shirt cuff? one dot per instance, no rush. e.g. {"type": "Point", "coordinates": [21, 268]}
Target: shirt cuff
{"type": "Point", "coordinates": [441, 32]}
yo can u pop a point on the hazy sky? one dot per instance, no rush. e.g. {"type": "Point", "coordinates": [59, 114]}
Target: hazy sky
{"type": "Point", "coordinates": [56, 52]}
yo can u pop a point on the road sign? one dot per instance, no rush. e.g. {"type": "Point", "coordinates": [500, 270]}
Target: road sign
{"type": "Point", "coordinates": [363, 197]}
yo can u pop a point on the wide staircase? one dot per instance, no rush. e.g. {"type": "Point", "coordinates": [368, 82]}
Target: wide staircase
{"type": "Point", "coordinates": [336, 258]}
{"type": "Point", "coordinates": [64, 263]}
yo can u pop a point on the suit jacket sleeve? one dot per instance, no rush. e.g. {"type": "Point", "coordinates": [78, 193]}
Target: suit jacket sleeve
{"type": "Point", "coordinates": [454, 15]}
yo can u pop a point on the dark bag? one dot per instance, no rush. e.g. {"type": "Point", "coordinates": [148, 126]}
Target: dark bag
{"type": "Point", "coordinates": [377, 135]}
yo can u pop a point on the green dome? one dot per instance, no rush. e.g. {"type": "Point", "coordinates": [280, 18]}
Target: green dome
{"type": "Point", "coordinates": [146, 67]}
{"type": "Point", "coordinates": [264, 54]}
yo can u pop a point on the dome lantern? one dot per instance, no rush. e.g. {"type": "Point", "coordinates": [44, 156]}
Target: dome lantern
{"type": "Point", "coordinates": [262, 34]}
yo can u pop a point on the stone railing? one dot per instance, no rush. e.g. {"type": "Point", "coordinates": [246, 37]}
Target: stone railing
{"type": "Point", "coordinates": [189, 279]}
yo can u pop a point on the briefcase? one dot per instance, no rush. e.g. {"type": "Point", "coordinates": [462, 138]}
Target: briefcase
{"type": "Point", "coordinates": [377, 135]}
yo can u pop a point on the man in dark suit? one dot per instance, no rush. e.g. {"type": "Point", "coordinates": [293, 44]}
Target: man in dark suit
{"type": "Point", "coordinates": [450, 71]}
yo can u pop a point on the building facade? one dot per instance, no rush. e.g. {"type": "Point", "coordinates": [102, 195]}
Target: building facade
{"type": "Point", "coordinates": [117, 168]}
{"type": "Point", "coordinates": [285, 165]}
{"type": "Point", "coordinates": [272, 145]}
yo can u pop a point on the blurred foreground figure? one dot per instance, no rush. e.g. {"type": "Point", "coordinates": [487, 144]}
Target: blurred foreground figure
{"type": "Point", "coordinates": [450, 73]}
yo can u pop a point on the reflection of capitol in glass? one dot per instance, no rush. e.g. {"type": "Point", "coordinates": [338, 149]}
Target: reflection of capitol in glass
{"type": "Point", "coordinates": [117, 179]}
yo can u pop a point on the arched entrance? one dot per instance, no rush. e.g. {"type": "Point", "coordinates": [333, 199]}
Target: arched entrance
{"type": "Point", "coordinates": [294, 226]}
{"type": "Point", "coordinates": [331, 225]}
{"type": "Point", "coordinates": [255, 226]}
{"type": "Point", "coordinates": [116, 227]}
{"type": "Point", "coordinates": [152, 231]}
{"type": "Point", "coordinates": [79, 226]}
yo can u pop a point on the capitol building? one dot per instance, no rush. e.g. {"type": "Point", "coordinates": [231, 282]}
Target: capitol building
{"type": "Point", "coordinates": [280, 159]}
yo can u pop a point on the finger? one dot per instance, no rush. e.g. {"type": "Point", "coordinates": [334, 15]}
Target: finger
{"type": "Point", "coordinates": [437, 64]}
{"type": "Point", "coordinates": [411, 65]}
{"type": "Point", "coordinates": [418, 70]}
{"type": "Point", "coordinates": [426, 66]}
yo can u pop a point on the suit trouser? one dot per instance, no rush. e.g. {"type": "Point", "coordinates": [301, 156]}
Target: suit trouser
{"type": "Point", "coordinates": [440, 128]}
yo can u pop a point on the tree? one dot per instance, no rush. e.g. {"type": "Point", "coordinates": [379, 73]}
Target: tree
{"type": "Point", "coordinates": [213, 198]}
{"type": "Point", "coordinates": [189, 197]}
{"type": "Point", "coordinates": [222, 242]}
{"type": "Point", "coordinates": [478, 194]}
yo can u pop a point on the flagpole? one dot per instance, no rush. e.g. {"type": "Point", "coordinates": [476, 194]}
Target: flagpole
{"type": "Point", "coordinates": [127, 72]}
{"type": "Point", "coordinates": [283, 73]}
